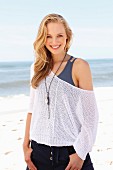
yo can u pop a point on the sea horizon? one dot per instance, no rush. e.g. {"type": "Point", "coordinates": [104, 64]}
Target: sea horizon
{"type": "Point", "coordinates": [14, 82]}
{"type": "Point", "coordinates": [69, 54]}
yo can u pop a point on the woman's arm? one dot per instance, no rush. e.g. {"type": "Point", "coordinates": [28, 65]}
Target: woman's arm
{"type": "Point", "coordinates": [82, 74]}
{"type": "Point", "coordinates": [26, 141]}
{"type": "Point", "coordinates": [83, 78]}
{"type": "Point", "coordinates": [30, 110]}
{"type": "Point", "coordinates": [26, 144]}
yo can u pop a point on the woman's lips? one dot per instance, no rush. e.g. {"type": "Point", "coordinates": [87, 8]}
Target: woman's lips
{"type": "Point", "coordinates": [55, 47]}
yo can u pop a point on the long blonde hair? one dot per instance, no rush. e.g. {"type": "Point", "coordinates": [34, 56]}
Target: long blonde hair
{"type": "Point", "coordinates": [43, 60]}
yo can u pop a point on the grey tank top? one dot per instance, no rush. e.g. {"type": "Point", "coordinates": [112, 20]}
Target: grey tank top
{"type": "Point", "coordinates": [66, 74]}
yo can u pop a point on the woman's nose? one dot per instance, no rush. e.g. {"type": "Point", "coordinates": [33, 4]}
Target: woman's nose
{"type": "Point", "coordinates": [54, 40]}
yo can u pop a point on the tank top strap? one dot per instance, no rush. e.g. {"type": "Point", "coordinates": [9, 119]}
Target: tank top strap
{"type": "Point", "coordinates": [72, 59]}
{"type": "Point", "coordinates": [66, 74]}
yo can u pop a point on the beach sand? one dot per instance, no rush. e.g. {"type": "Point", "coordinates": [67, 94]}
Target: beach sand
{"type": "Point", "coordinates": [13, 111]}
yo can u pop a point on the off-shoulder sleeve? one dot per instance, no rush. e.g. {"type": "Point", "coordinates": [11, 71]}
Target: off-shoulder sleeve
{"type": "Point", "coordinates": [32, 91]}
{"type": "Point", "coordinates": [87, 135]}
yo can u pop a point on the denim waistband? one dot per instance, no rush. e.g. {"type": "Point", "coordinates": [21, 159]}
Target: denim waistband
{"type": "Point", "coordinates": [54, 155]}
{"type": "Point", "coordinates": [70, 148]}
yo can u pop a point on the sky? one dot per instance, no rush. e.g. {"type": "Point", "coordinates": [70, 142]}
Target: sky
{"type": "Point", "coordinates": [90, 21]}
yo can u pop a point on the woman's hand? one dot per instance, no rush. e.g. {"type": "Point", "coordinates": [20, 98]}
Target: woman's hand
{"type": "Point", "coordinates": [75, 162]}
{"type": "Point", "coordinates": [27, 157]}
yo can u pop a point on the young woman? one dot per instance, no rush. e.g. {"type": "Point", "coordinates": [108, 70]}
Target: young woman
{"type": "Point", "coordinates": [62, 120]}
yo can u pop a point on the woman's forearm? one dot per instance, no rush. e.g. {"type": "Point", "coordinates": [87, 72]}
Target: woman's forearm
{"type": "Point", "coordinates": [26, 141]}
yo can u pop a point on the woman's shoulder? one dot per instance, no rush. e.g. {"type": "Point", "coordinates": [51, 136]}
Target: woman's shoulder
{"type": "Point", "coordinates": [82, 73]}
{"type": "Point", "coordinates": [81, 65]}
{"type": "Point", "coordinates": [79, 62]}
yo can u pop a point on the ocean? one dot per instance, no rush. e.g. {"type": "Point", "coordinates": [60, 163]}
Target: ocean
{"type": "Point", "coordinates": [14, 76]}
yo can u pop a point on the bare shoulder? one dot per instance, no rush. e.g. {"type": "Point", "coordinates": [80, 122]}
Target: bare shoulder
{"type": "Point", "coordinates": [82, 73]}
{"type": "Point", "coordinates": [79, 62]}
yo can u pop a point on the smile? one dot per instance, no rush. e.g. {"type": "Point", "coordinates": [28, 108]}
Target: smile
{"type": "Point", "coordinates": [55, 47]}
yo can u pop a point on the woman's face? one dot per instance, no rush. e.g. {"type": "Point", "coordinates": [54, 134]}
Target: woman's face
{"type": "Point", "coordinates": [56, 38]}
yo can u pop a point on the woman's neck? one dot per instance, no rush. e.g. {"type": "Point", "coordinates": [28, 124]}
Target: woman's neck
{"type": "Point", "coordinates": [58, 57]}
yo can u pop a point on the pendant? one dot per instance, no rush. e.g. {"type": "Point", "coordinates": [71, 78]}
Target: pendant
{"type": "Point", "coordinates": [47, 100]}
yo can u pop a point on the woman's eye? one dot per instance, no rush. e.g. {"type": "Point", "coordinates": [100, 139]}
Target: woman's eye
{"type": "Point", "coordinates": [48, 36]}
{"type": "Point", "coordinates": [60, 35]}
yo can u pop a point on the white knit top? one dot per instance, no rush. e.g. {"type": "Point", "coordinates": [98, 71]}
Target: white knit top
{"type": "Point", "coordinates": [73, 116]}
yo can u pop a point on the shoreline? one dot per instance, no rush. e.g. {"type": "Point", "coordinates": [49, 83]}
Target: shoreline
{"type": "Point", "coordinates": [12, 126]}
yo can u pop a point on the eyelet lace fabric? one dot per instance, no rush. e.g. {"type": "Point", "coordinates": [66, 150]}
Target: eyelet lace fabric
{"type": "Point", "coordinates": [73, 116]}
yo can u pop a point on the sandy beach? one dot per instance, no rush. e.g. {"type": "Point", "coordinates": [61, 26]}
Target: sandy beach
{"type": "Point", "coordinates": [13, 111]}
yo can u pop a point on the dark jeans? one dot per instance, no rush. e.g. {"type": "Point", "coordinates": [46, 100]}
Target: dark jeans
{"type": "Point", "coordinates": [45, 157]}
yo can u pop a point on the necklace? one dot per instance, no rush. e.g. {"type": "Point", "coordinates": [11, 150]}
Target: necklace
{"type": "Point", "coordinates": [47, 98]}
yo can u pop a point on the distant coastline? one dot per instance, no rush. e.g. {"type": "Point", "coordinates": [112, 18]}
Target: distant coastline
{"type": "Point", "coordinates": [15, 76]}
{"type": "Point", "coordinates": [87, 59]}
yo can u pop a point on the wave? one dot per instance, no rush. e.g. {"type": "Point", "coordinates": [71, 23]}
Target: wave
{"type": "Point", "coordinates": [13, 70]}
{"type": "Point", "coordinates": [15, 76]}
{"type": "Point", "coordinates": [16, 84]}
